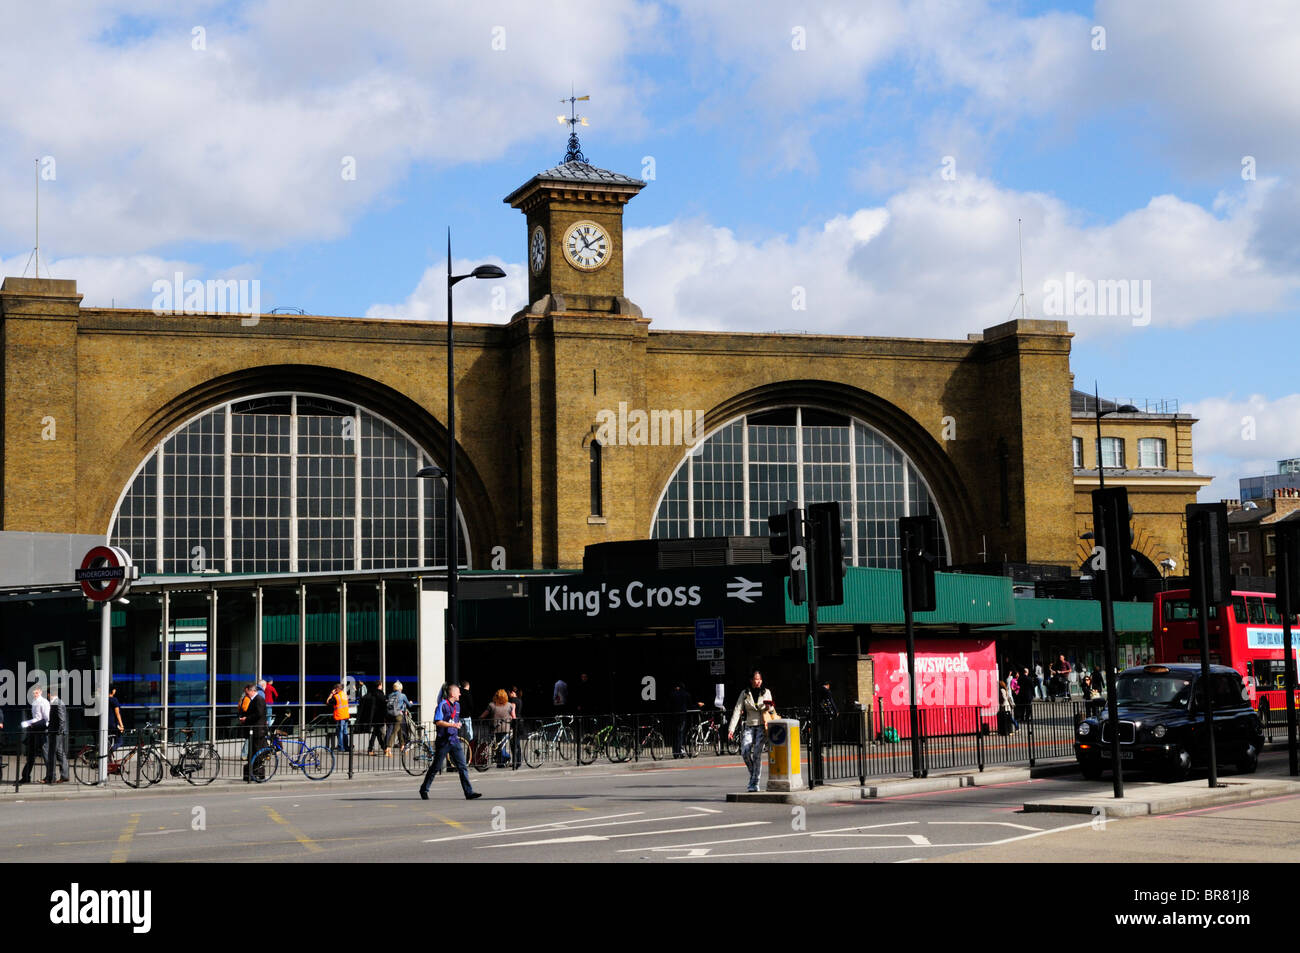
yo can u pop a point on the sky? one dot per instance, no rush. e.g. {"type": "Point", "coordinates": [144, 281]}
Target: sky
{"type": "Point", "coordinates": [845, 166]}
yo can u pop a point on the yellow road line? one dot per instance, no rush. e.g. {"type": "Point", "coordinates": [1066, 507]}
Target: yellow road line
{"type": "Point", "coordinates": [298, 835]}
{"type": "Point", "coordinates": [576, 808]}
{"type": "Point", "coordinates": [447, 820]}
{"type": "Point", "coordinates": [124, 840]}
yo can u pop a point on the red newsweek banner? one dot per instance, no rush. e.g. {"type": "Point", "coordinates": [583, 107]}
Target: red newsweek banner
{"type": "Point", "coordinates": [949, 673]}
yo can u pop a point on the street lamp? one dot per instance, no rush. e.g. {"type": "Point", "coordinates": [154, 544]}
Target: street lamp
{"type": "Point", "coordinates": [1118, 409]}
{"type": "Point", "coordinates": [482, 271]}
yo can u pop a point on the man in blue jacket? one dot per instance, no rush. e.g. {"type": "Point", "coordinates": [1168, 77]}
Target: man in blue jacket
{"type": "Point", "coordinates": [447, 720]}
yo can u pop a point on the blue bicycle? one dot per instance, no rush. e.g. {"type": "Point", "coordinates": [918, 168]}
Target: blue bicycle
{"type": "Point", "coordinates": [316, 763]}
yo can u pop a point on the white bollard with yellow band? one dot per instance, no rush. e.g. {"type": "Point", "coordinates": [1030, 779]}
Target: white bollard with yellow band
{"type": "Point", "coordinates": [784, 771]}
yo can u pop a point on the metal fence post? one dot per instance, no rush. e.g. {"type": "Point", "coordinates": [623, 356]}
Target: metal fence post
{"type": "Point", "coordinates": [980, 724]}
{"type": "Point", "coordinates": [351, 747]}
{"type": "Point", "coordinates": [862, 747]}
{"type": "Point", "coordinates": [1029, 733]}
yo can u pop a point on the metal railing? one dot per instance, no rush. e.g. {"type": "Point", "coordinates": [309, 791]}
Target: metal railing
{"type": "Point", "coordinates": [878, 742]}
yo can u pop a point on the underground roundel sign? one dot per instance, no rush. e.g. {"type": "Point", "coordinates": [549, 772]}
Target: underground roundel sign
{"type": "Point", "coordinates": [106, 573]}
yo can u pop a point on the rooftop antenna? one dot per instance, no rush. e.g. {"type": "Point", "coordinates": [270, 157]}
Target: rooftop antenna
{"type": "Point", "coordinates": [1021, 246]}
{"type": "Point", "coordinates": [574, 152]}
{"type": "Point", "coordinates": [36, 249]}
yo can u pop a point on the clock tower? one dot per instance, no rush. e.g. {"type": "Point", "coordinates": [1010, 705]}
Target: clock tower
{"type": "Point", "coordinates": [575, 236]}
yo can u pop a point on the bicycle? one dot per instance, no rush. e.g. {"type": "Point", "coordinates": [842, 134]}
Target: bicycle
{"type": "Point", "coordinates": [316, 763]}
{"type": "Point", "coordinates": [652, 740]}
{"type": "Point", "coordinates": [704, 737]}
{"type": "Point", "coordinates": [614, 743]}
{"type": "Point", "coordinates": [199, 763]}
{"type": "Point", "coordinates": [550, 742]}
{"type": "Point", "coordinates": [487, 752]}
{"type": "Point", "coordinates": [417, 753]}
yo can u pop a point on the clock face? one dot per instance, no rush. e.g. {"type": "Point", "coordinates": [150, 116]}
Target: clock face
{"type": "Point", "coordinates": [537, 250]}
{"type": "Point", "coordinates": [586, 246]}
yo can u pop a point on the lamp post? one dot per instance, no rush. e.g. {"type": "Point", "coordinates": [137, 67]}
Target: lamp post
{"type": "Point", "coordinates": [1107, 608]}
{"type": "Point", "coordinates": [1117, 409]}
{"type": "Point", "coordinates": [453, 560]}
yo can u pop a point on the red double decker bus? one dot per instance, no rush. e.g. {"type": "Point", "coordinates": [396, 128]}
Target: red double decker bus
{"type": "Point", "coordinates": [1245, 634]}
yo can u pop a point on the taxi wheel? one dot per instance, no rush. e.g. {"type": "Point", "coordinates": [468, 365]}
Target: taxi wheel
{"type": "Point", "coordinates": [1181, 769]}
{"type": "Point", "coordinates": [1248, 761]}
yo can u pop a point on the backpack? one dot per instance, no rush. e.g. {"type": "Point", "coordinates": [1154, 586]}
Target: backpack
{"type": "Point", "coordinates": [395, 704]}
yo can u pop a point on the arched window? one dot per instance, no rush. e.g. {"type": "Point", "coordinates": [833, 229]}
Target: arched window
{"type": "Point", "coordinates": [597, 503]}
{"type": "Point", "coordinates": [284, 483]}
{"type": "Point", "coordinates": [746, 470]}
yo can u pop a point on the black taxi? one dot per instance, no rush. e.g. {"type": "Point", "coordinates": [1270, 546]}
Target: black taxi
{"type": "Point", "coordinates": [1162, 723]}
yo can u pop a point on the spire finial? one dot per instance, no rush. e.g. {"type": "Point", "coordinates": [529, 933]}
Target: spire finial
{"type": "Point", "coordinates": [574, 152]}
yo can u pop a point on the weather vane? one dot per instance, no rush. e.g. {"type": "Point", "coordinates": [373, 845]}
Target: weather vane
{"type": "Point", "coordinates": [574, 153]}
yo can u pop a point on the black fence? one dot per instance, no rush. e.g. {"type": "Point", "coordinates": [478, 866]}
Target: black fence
{"type": "Point", "coordinates": [862, 744]}
{"type": "Point", "coordinates": [855, 744]}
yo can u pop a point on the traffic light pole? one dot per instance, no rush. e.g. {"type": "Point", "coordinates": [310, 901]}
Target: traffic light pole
{"type": "Point", "coordinates": [1284, 570]}
{"type": "Point", "coordinates": [909, 630]}
{"type": "Point", "coordinates": [1108, 647]}
{"type": "Point", "coordinates": [1200, 538]}
{"type": "Point", "coordinates": [814, 751]}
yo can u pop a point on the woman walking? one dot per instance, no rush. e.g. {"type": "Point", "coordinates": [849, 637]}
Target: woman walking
{"type": "Point", "coordinates": [756, 705]}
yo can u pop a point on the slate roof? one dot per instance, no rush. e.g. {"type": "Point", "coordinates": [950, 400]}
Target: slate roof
{"type": "Point", "coordinates": [577, 172]}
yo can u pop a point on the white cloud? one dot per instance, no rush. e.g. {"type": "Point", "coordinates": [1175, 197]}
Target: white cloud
{"type": "Point", "coordinates": [1242, 437]}
{"type": "Point", "coordinates": [489, 301]}
{"type": "Point", "coordinates": [124, 282]}
{"type": "Point", "coordinates": [244, 141]}
{"type": "Point", "coordinates": [940, 259]}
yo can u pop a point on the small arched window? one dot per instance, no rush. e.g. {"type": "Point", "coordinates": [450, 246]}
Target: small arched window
{"type": "Point", "coordinates": [597, 503]}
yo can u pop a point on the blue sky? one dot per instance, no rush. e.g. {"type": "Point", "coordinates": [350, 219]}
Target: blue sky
{"type": "Point", "coordinates": [876, 155]}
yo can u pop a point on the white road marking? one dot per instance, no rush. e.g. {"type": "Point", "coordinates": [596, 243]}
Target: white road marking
{"type": "Point", "coordinates": [175, 830]}
{"type": "Point", "coordinates": [916, 839]}
{"type": "Point", "coordinates": [706, 810]}
{"type": "Point", "coordinates": [836, 850]}
{"type": "Point", "coordinates": [600, 837]}
{"type": "Point", "coordinates": [738, 840]}
{"type": "Point", "coordinates": [1020, 827]}
{"type": "Point", "coordinates": [548, 826]}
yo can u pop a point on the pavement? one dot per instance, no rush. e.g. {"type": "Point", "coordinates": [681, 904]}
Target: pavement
{"type": "Point", "coordinates": [1095, 798]}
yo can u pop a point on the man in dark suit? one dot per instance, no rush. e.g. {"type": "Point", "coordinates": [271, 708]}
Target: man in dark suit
{"type": "Point", "coordinates": [254, 717]}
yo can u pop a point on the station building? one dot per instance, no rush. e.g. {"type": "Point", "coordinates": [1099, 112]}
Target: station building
{"type": "Point", "coordinates": [261, 472]}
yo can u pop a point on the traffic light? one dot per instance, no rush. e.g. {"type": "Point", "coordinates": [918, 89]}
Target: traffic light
{"type": "Point", "coordinates": [1113, 534]}
{"type": "Point", "coordinates": [786, 539]}
{"type": "Point", "coordinates": [918, 544]}
{"type": "Point", "coordinates": [1209, 522]}
{"type": "Point", "coordinates": [828, 552]}
{"type": "Point", "coordinates": [1288, 543]}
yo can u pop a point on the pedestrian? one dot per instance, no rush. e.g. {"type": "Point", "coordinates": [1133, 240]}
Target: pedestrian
{"type": "Point", "coordinates": [826, 712]}
{"type": "Point", "coordinates": [263, 690]}
{"type": "Point", "coordinates": [338, 701]}
{"type": "Point", "coordinates": [1040, 689]}
{"type": "Point", "coordinates": [502, 713]}
{"type": "Point", "coordinates": [254, 720]}
{"type": "Point", "coordinates": [1060, 678]}
{"type": "Point", "coordinates": [373, 714]}
{"type": "Point", "coordinates": [56, 752]}
{"type": "Point", "coordinates": [560, 695]}
{"type": "Point", "coordinates": [581, 695]}
{"type": "Point", "coordinates": [37, 736]}
{"type": "Point", "coordinates": [516, 699]}
{"type": "Point", "coordinates": [398, 711]}
{"type": "Point", "coordinates": [1024, 696]}
{"type": "Point", "coordinates": [447, 721]}
{"type": "Point", "coordinates": [1006, 711]}
{"type": "Point", "coordinates": [756, 705]}
{"type": "Point", "coordinates": [115, 726]}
